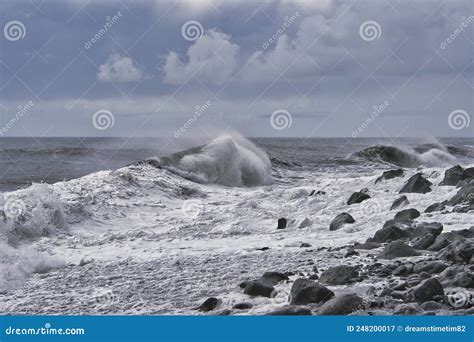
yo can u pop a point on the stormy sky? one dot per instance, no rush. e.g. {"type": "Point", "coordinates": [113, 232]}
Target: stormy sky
{"type": "Point", "coordinates": [280, 68]}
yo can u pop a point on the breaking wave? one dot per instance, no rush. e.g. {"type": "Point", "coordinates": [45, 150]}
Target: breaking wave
{"type": "Point", "coordinates": [231, 161]}
{"type": "Point", "coordinates": [429, 156]}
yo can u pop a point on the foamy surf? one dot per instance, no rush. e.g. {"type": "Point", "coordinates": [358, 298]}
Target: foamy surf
{"type": "Point", "coordinates": [162, 241]}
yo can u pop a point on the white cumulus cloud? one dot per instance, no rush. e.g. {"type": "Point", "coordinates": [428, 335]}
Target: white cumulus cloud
{"type": "Point", "coordinates": [212, 59]}
{"type": "Point", "coordinates": [119, 69]}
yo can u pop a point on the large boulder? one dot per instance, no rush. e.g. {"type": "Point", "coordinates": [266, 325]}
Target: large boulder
{"type": "Point", "coordinates": [341, 305]}
{"type": "Point", "coordinates": [339, 275]}
{"type": "Point", "coordinates": [305, 291]}
{"type": "Point", "coordinates": [453, 175]}
{"type": "Point", "coordinates": [464, 195]}
{"type": "Point", "coordinates": [390, 174]}
{"type": "Point", "coordinates": [468, 174]}
{"type": "Point", "coordinates": [208, 305]}
{"type": "Point", "coordinates": [427, 290]}
{"type": "Point", "coordinates": [435, 207]}
{"type": "Point", "coordinates": [340, 220]}
{"type": "Point", "coordinates": [255, 289]}
{"type": "Point", "coordinates": [397, 249]}
{"type": "Point", "coordinates": [429, 266]}
{"type": "Point", "coordinates": [407, 214]}
{"type": "Point", "coordinates": [272, 278]}
{"type": "Point", "coordinates": [391, 231]}
{"type": "Point", "coordinates": [400, 202]}
{"type": "Point", "coordinates": [447, 238]}
{"type": "Point", "coordinates": [417, 184]}
{"type": "Point", "coordinates": [424, 234]}
{"type": "Point", "coordinates": [458, 251]}
{"type": "Point", "coordinates": [358, 197]}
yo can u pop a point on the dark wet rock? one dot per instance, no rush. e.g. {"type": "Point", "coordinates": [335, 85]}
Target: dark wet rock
{"type": "Point", "coordinates": [243, 306]}
{"type": "Point", "coordinates": [403, 270]}
{"type": "Point", "coordinates": [423, 228]}
{"type": "Point", "coordinates": [390, 232]}
{"type": "Point", "coordinates": [313, 277]}
{"type": "Point", "coordinates": [386, 292]}
{"type": "Point", "coordinates": [398, 249]}
{"type": "Point", "coordinates": [435, 207]}
{"type": "Point", "coordinates": [317, 193]}
{"type": "Point", "coordinates": [400, 202]}
{"type": "Point", "coordinates": [464, 279]}
{"type": "Point", "coordinates": [424, 234]}
{"type": "Point", "coordinates": [305, 245]}
{"type": "Point", "coordinates": [432, 305]}
{"type": "Point", "coordinates": [367, 245]}
{"type": "Point", "coordinates": [464, 195]}
{"type": "Point", "coordinates": [390, 175]}
{"type": "Point", "coordinates": [427, 290]}
{"type": "Point", "coordinates": [340, 220]}
{"type": "Point", "coordinates": [398, 285]}
{"type": "Point", "coordinates": [291, 311]}
{"type": "Point", "coordinates": [417, 184]}
{"type": "Point", "coordinates": [458, 251]}
{"type": "Point", "coordinates": [399, 295]}
{"type": "Point", "coordinates": [339, 275]}
{"type": "Point", "coordinates": [423, 242]}
{"type": "Point", "coordinates": [445, 239]}
{"type": "Point", "coordinates": [407, 214]}
{"type": "Point", "coordinates": [430, 266]}
{"type": "Point", "coordinates": [407, 309]}
{"type": "Point", "coordinates": [208, 305]}
{"type": "Point", "coordinates": [453, 175]}
{"type": "Point", "coordinates": [341, 305]}
{"type": "Point", "coordinates": [351, 252]}
{"type": "Point", "coordinates": [282, 222]}
{"type": "Point", "coordinates": [255, 288]}
{"type": "Point", "coordinates": [224, 312]}
{"type": "Point", "coordinates": [305, 291]}
{"type": "Point", "coordinates": [357, 197]}
{"type": "Point", "coordinates": [272, 278]}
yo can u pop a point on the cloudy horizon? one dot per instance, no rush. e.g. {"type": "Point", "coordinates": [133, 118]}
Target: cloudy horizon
{"type": "Point", "coordinates": [282, 68]}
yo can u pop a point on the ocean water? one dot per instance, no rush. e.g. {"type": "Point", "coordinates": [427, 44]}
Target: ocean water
{"type": "Point", "coordinates": [116, 226]}
{"type": "Point", "coordinates": [34, 160]}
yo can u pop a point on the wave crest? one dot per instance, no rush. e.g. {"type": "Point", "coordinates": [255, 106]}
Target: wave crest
{"type": "Point", "coordinates": [226, 160]}
{"type": "Point", "coordinates": [406, 157]}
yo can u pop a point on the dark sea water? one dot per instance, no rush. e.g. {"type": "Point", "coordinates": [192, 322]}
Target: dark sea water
{"type": "Point", "coordinates": [24, 161]}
